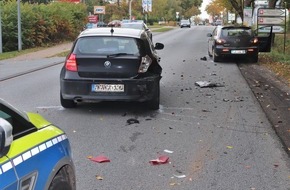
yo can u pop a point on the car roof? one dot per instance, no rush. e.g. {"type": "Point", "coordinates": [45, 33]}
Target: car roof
{"type": "Point", "coordinates": [122, 32]}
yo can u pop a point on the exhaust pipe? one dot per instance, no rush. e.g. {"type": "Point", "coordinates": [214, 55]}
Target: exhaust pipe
{"type": "Point", "coordinates": [78, 100]}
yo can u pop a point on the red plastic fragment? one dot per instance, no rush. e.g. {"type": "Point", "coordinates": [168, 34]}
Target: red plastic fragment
{"type": "Point", "coordinates": [159, 160]}
{"type": "Point", "coordinates": [100, 159]}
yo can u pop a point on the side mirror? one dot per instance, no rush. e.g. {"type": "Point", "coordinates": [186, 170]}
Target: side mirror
{"type": "Point", "coordinates": [209, 35]}
{"type": "Point", "coordinates": [6, 137]}
{"type": "Point", "coordinates": [159, 46]}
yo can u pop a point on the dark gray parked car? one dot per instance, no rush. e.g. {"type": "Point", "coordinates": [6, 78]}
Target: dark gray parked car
{"type": "Point", "coordinates": [234, 41]}
{"type": "Point", "coordinates": [111, 64]}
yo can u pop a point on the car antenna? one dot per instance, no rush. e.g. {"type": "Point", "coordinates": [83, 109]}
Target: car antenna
{"type": "Point", "coordinates": [112, 31]}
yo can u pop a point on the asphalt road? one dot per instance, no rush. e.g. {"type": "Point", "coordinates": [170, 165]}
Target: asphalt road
{"type": "Point", "coordinates": [215, 138]}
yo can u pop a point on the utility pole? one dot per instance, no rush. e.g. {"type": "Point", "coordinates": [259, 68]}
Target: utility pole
{"type": "Point", "coordinates": [130, 10]}
{"type": "Point", "coordinates": [1, 49]}
{"type": "Point", "coordinates": [19, 26]}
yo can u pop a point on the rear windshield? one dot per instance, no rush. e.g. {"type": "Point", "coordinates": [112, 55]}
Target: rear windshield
{"type": "Point", "coordinates": [106, 45]}
{"type": "Point", "coordinates": [236, 32]}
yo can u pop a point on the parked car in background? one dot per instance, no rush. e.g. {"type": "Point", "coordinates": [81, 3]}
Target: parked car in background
{"type": "Point", "coordinates": [138, 25]}
{"type": "Point", "coordinates": [185, 23]}
{"type": "Point", "coordinates": [218, 22]}
{"type": "Point", "coordinates": [114, 23]}
{"type": "Point", "coordinates": [111, 64]}
{"type": "Point", "coordinates": [101, 24]}
{"type": "Point", "coordinates": [233, 41]}
{"type": "Point", "coordinates": [34, 153]}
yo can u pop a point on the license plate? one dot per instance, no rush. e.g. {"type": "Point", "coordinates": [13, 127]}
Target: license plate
{"type": "Point", "coordinates": [107, 87]}
{"type": "Point", "coordinates": [238, 51]}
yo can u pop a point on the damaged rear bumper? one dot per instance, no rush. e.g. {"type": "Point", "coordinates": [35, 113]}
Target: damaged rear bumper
{"type": "Point", "coordinates": [141, 89]}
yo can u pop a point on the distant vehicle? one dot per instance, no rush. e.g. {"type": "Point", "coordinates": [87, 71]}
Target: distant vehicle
{"type": "Point", "coordinates": [185, 23]}
{"type": "Point", "coordinates": [218, 22]}
{"type": "Point", "coordinates": [114, 23]}
{"type": "Point", "coordinates": [34, 154]}
{"type": "Point", "coordinates": [138, 25]}
{"type": "Point", "coordinates": [233, 41]}
{"type": "Point", "coordinates": [111, 64]}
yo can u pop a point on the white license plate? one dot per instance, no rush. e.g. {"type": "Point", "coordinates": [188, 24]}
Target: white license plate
{"type": "Point", "coordinates": [238, 51]}
{"type": "Point", "coordinates": [107, 87]}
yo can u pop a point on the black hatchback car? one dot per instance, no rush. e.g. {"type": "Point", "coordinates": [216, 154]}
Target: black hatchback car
{"type": "Point", "coordinates": [233, 41]}
{"type": "Point", "coordinates": [111, 64]}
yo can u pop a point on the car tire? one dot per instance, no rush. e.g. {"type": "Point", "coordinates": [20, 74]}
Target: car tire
{"type": "Point", "coordinates": [67, 103]}
{"type": "Point", "coordinates": [215, 57]}
{"type": "Point", "coordinates": [63, 180]}
{"type": "Point", "coordinates": [153, 104]}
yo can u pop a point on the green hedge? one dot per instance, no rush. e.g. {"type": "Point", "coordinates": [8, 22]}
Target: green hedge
{"type": "Point", "coordinates": [41, 24]}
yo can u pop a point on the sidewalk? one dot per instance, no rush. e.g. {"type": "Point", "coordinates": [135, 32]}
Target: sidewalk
{"type": "Point", "coordinates": [32, 61]}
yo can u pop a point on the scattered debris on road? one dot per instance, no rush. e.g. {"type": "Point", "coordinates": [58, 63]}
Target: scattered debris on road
{"type": "Point", "coordinates": [132, 121]}
{"type": "Point", "coordinates": [207, 84]}
{"type": "Point", "coordinates": [159, 160]}
{"type": "Point", "coordinates": [99, 159]}
{"type": "Point", "coordinates": [168, 151]}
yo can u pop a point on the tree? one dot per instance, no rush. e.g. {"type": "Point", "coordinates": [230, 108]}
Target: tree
{"type": "Point", "coordinates": [214, 9]}
{"type": "Point", "coordinates": [190, 7]}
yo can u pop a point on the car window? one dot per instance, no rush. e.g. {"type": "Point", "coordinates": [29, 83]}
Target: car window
{"type": "Point", "coordinates": [236, 32]}
{"type": "Point", "coordinates": [17, 119]}
{"type": "Point", "coordinates": [106, 45]}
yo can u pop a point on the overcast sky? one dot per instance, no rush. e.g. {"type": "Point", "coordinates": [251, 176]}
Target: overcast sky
{"type": "Point", "coordinates": [203, 14]}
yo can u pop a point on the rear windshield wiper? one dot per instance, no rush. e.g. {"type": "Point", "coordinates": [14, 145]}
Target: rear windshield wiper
{"type": "Point", "coordinates": [118, 54]}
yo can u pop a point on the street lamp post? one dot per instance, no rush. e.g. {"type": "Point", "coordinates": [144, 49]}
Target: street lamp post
{"type": "Point", "coordinates": [19, 26]}
{"type": "Point", "coordinates": [1, 49]}
{"type": "Point", "coordinates": [130, 10]}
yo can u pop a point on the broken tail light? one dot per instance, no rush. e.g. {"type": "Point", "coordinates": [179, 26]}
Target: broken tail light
{"type": "Point", "coordinates": [71, 63]}
{"type": "Point", "coordinates": [145, 64]}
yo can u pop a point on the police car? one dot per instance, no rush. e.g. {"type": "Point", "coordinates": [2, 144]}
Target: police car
{"type": "Point", "coordinates": [34, 154]}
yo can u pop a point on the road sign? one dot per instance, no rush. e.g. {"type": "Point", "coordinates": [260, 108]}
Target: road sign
{"type": "Point", "coordinates": [99, 9]}
{"type": "Point", "coordinates": [263, 3]}
{"type": "Point", "coordinates": [93, 18]}
{"type": "Point", "coordinates": [276, 29]}
{"type": "Point", "coordinates": [271, 20]}
{"type": "Point", "coordinates": [231, 16]}
{"type": "Point", "coordinates": [271, 12]}
{"type": "Point", "coordinates": [147, 5]}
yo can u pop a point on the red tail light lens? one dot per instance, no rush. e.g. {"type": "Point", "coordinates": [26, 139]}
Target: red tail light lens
{"type": "Point", "coordinates": [71, 63]}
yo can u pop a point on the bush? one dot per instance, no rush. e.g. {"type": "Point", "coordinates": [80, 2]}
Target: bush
{"type": "Point", "coordinates": [41, 24]}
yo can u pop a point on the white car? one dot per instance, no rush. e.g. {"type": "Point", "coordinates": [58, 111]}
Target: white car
{"type": "Point", "coordinates": [185, 23]}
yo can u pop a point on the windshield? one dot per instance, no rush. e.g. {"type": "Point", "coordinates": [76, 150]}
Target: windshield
{"type": "Point", "coordinates": [184, 21]}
